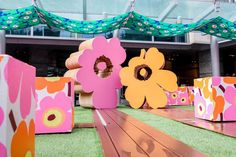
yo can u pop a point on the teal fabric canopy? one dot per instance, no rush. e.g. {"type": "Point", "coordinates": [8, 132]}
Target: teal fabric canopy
{"type": "Point", "coordinates": [32, 15]}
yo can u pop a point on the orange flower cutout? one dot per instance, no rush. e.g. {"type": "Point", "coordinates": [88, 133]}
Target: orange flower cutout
{"type": "Point", "coordinates": [146, 81]}
{"type": "Point", "coordinates": [53, 84]}
{"type": "Point", "coordinates": [23, 141]}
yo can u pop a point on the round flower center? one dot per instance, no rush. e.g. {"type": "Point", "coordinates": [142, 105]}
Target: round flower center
{"type": "Point", "coordinates": [200, 108]}
{"type": "Point", "coordinates": [103, 67]}
{"type": "Point", "coordinates": [51, 117]}
{"type": "Point", "coordinates": [143, 72]}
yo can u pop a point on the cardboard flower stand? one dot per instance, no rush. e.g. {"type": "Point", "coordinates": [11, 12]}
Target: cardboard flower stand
{"type": "Point", "coordinates": [17, 108]}
{"type": "Point", "coordinates": [96, 68]}
{"type": "Point", "coordinates": [55, 104]}
{"type": "Point", "coordinates": [215, 98]}
{"type": "Point", "coordinates": [146, 80]}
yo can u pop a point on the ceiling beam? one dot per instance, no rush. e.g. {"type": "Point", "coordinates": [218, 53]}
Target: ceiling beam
{"type": "Point", "coordinates": [167, 10]}
{"type": "Point", "coordinates": [204, 14]}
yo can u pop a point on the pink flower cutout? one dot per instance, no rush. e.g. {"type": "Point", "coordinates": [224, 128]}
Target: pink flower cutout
{"type": "Point", "coordinates": [103, 54]}
{"type": "Point", "coordinates": [3, 150]}
{"type": "Point", "coordinates": [54, 115]}
{"type": "Point", "coordinates": [230, 96]}
{"type": "Point", "coordinates": [1, 116]}
{"type": "Point", "coordinates": [20, 79]}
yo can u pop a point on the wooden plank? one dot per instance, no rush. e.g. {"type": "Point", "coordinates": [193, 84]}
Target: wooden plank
{"type": "Point", "coordinates": [187, 117]}
{"type": "Point", "coordinates": [146, 142]}
{"type": "Point", "coordinates": [107, 145]}
{"type": "Point", "coordinates": [124, 144]}
{"type": "Point", "coordinates": [172, 144]}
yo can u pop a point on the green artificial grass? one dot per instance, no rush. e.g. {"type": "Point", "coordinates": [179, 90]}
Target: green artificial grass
{"type": "Point", "coordinates": [83, 115]}
{"type": "Point", "coordinates": [208, 142]}
{"type": "Point", "coordinates": [79, 143]}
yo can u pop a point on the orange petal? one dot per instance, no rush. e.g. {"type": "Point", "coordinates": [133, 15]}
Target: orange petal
{"type": "Point", "coordinates": [154, 58]}
{"type": "Point", "coordinates": [127, 76]}
{"type": "Point", "coordinates": [230, 80]}
{"type": "Point", "coordinates": [219, 106]}
{"type": "Point", "coordinates": [198, 83]}
{"type": "Point", "coordinates": [156, 97]}
{"type": "Point", "coordinates": [135, 96]}
{"type": "Point", "coordinates": [40, 83]}
{"type": "Point", "coordinates": [135, 62]}
{"type": "Point", "coordinates": [166, 79]}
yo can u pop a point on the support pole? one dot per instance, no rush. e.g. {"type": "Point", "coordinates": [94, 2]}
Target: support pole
{"type": "Point", "coordinates": [2, 42]}
{"type": "Point", "coordinates": [84, 10]}
{"type": "Point", "coordinates": [215, 61]}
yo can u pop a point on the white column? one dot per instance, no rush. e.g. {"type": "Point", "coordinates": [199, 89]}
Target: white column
{"type": "Point", "coordinates": [215, 61]}
{"type": "Point", "coordinates": [2, 42]}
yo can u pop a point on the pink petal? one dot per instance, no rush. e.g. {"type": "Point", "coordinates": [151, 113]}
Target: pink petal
{"type": "Point", "coordinates": [105, 98]}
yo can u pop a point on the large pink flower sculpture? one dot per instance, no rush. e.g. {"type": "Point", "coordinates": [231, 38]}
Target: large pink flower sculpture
{"type": "Point", "coordinates": [21, 81]}
{"type": "Point", "coordinates": [54, 114]}
{"type": "Point", "coordinates": [99, 72]}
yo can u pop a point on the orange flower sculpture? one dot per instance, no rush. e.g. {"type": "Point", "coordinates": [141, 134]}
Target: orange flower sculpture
{"type": "Point", "coordinates": [146, 81]}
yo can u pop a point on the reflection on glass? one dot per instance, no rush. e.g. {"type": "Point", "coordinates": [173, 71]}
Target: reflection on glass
{"type": "Point", "coordinates": [127, 34]}
{"type": "Point", "coordinates": [181, 38]}
{"type": "Point", "coordinates": [43, 30]}
{"type": "Point", "coordinates": [25, 31]}
{"type": "Point", "coordinates": [38, 30]}
{"type": "Point", "coordinates": [106, 35]}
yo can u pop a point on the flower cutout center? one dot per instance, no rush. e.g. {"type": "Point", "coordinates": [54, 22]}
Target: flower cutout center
{"type": "Point", "coordinates": [103, 67]}
{"type": "Point", "coordinates": [142, 72]}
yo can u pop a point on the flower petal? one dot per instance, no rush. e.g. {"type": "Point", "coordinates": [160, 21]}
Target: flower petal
{"type": "Point", "coordinates": [135, 96]}
{"type": "Point", "coordinates": [136, 61]}
{"type": "Point", "coordinates": [154, 58]}
{"type": "Point", "coordinates": [115, 52]}
{"type": "Point", "coordinates": [166, 79]}
{"type": "Point", "coordinates": [127, 76]}
{"type": "Point", "coordinates": [101, 99]}
{"type": "Point", "coordinates": [156, 97]}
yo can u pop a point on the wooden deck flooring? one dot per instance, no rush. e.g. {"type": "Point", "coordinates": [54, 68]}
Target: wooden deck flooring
{"type": "Point", "coordinates": [187, 117]}
{"type": "Point", "coordinates": [125, 136]}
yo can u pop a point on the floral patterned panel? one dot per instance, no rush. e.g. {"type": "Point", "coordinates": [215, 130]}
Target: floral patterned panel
{"type": "Point", "coordinates": [179, 97]}
{"type": "Point", "coordinates": [17, 108]}
{"type": "Point", "coordinates": [215, 98]}
{"type": "Point", "coordinates": [55, 101]}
